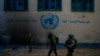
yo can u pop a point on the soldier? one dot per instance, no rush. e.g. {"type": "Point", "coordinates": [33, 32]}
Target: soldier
{"type": "Point", "coordinates": [30, 42]}
{"type": "Point", "coordinates": [71, 43]}
{"type": "Point", "coordinates": [53, 40]}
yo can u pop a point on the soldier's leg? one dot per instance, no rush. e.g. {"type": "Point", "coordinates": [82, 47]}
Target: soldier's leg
{"type": "Point", "coordinates": [30, 48]}
{"type": "Point", "coordinates": [50, 51]}
{"type": "Point", "coordinates": [70, 51]}
{"type": "Point", "coordinates": [55, 51]}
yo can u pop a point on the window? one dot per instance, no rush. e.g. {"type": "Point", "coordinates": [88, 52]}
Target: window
{"type": "Point", "coordinates": [16, 5]}
{"type": "Point", "coordinates": [49, 5]}
{"type": "Point", "coordinates": [82, 5]}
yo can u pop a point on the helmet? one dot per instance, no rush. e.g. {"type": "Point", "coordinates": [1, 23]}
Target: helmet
{"type": "Point", "coordinates": [70, 35]}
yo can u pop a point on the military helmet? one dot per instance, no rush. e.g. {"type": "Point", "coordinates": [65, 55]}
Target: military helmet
{"type": "Point", "coordinates": [70, 35]}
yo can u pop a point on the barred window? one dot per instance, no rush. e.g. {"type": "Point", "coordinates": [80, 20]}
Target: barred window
{"type": "Point", "coordinates": [49, 5]}
{"type": "Point", "coordinates": [16, 5]}
{"type": "Point", "coordinates": [82, 5]}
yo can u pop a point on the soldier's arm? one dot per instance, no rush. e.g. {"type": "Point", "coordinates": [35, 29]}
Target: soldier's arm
{"type": "Point", "coordinates": [66, 45]}
{"type": "Point", "coordinates": [73, 43]}
{"type": "Point", "coordinates": [57, 39]}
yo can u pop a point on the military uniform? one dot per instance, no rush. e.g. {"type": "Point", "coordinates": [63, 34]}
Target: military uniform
{"type": "Point", "coordinates": [71, 43]}
{"type": "Point", "coordinates": [53, 40]}
{"type": "Point", "coordinates": [30, 42]}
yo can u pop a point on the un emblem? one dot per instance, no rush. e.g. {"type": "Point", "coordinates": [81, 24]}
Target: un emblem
{"type": "Point", "coordinates": [49, 21]}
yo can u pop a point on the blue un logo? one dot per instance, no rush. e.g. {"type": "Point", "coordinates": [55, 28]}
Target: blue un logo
{"type": "Point", "coordinates": [49, 21]}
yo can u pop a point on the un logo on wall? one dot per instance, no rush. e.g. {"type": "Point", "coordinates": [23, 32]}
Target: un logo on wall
{"type": "Point", "coordinates": [49, 21]}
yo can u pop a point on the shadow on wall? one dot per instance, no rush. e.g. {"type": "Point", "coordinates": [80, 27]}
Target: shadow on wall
{"type": "Point", "coordinates": [19, 35]}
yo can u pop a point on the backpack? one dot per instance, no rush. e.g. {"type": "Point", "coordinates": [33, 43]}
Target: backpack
{"type": "Point", "coordinates": [70, 44]}
{"type": "Point", "coordinates": [55, 40]}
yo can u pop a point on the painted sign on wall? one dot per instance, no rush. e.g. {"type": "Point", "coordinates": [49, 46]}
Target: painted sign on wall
{"type": "Point", "coordinates": [49, 21]}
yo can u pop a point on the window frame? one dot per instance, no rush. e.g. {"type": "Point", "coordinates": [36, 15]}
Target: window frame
{"type": "Point", "coordinates": [81, 9]}
{"type": "Point", "coordinates": [49, 6]}
{"type": "Point", "coordinates": [6, 7]}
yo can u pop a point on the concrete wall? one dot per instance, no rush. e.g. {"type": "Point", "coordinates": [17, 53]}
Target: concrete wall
{"type": "Point", "coordinates": [2, 17]}
{"type": "Point", "coordinates": [84, 25]}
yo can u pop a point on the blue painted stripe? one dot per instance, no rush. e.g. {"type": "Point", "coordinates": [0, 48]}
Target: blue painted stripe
{"type": "Point", "coordinates": [92, 45]}
{"type": "Point", "coordinates": [60, 45]}
{"type": "Point", "coordinates": [83, 45]}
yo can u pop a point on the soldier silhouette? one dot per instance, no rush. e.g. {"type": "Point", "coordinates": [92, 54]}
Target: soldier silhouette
{"type": "Point", "coordinates": [71, 43]}
{"type": "Point", "coordinates": [53, 40]}
{"type": "Point", "coordinates": [30, 42]}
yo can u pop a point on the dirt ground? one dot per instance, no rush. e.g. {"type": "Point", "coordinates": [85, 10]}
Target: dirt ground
{"type": "Point", "coordinates": [43, 52]}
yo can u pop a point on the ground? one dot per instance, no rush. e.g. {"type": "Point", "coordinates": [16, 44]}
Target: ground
{"type": "Point", "coordinates": [43, 52]}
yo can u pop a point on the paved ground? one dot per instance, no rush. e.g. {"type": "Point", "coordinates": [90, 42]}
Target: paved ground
{"type": "Point", "coordinates": [43, 52]}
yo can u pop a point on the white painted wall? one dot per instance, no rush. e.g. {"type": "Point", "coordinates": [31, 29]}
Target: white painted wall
{"type": "Point", "coordinates": [84, 32]}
